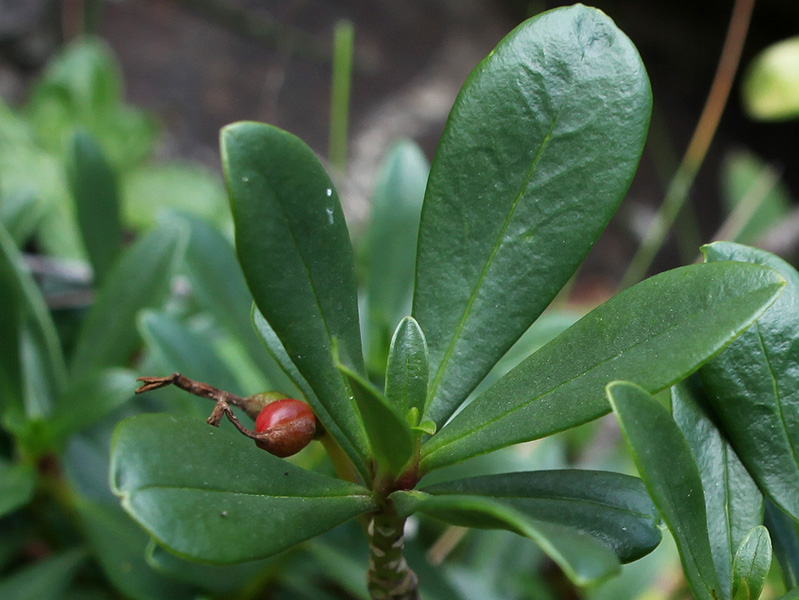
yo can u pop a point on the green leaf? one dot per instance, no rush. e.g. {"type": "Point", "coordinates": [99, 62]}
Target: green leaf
{"type": "Point", "coordinates": [89, 400]}
{"type": "Point", "coordinates": [212, 578]}
{"type": "Point", "coordinates": [749, 180]}
{"type": "Point", "coordinates": [219, 286]}
{"type": "Point", "coordinates": [209, 494]}
{"type": "Point", "coordinates": [17, 482]}
{"type": "Point", "coordinates": [733, 502]}
{"type": "Point", "coordinates": [295, 252]}
{"type": "Point", "coordinates": [93, 184]}
{"type": "Point", "coordinates": [612, 508]}
{"type": "Point", "coordinates": [754, 385]}
{"type": "Point", "coordinates": [784, 533]}
{"type": "Point", "coordinates": [152, 190]}
{"type": "Point", "coordinates": [178, 349]}
{"type": "Point", "coordinates": [771, 83]}
{"type": "Point", "coordinates": [390, 246]}
{"type": "Point", "coordinates": [119, 545]}
{"type": "Point", "coordinates": [655, 333]}
{"type": "Point", "coordinates": [751, 565]}
{"type": "Point", "coordinates": [792, 595]}
{"type": "Point", "coordinates": [672, 479]}
{"type": "Point", "coordinates": [32, 363]}
{"type": "Point", "coordinates": [390, 435]}
{"type": "Point", "coordinates": [140, 279]}
{"type": "Point", "coordinates": [20, 213]}
{"type": "Point", "coordinates": [585, 560]}
{"type": "Point", "coordinates": [44, 580]}
{"type": "Point", "coordinates": [407, 372]}
{"type": "Point", "coordinates": [539, 149]}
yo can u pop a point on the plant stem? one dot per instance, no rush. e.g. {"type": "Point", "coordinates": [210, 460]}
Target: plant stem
{"type": "Point", "coordinates": [694, 156]}
{"type": "Point", "coordinates": [389, 576]}
{"type": "Point", "coordinates": [343, 47]}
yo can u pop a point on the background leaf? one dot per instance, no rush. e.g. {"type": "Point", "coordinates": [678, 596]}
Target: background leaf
{"type": "Point", "coordinates": [655, 333]}
{"type": "Point", "coordinates": [784, 533]}
{"type": "Point", "coordinates": [733, 501]}
{"type": "Point", "coordinates": [754, 385]}
{"type": "Point", "coordinates": [510, 210]}
{"type": "Point", "coordinates": [17, 483]}
{"type": "Point", "coordinates": [389, 250]}
{"type": "Point", "coordinates": [45, 580]}
{"type": "Point", "coordinates": [140, 279]}
{"type": "Point", "coordinates": [209, 494]}
{"type": "Point", "coordinates": [94, 188]}
{"type": "Point", "coordinates": [769, 89]}
{"type": "Point", "coordinates": [672, 479]}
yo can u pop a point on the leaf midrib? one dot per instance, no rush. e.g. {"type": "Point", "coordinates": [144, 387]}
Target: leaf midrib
{"type": "Point", "coordinates": [184, 488]}
{"type": "Point", "coordinates": [567, 382]}
{"type": "Point", "coordinates": [479, 283]}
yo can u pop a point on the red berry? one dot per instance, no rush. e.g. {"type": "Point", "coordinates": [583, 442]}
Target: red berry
{"type": "Point", "coordinates": [291, 426]}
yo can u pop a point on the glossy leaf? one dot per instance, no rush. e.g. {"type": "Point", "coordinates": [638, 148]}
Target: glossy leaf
{"type": "Point", "coordinates": [654, 334]}
{"type": "Point", "coordinates": [295, 252]}
{"type": "Point", "coordinates": [751, 565]}
{"type": "Point", "coordinates": [33, 367]}
{"type": "Point", "coordinates": [119, 545]}
{"type": "Point", "coordinates": [17, 483]}
{"type": "Point", "coordinates": [94, 188]}
{"type": "Point", "coordinates": [539, 149]}
{"type": "Point", "coordinates": [209, 494]}
{"type": "Point", "coordinates": [44, 580]}
{"type": "Point", "coordinates": [672, 479]}
{"type": "Point", "coordinates": [754, 385]}
{"type": "Point", "coordinates": [612, 508]}
{"type": "Point", "coordinates": [407, 371]}
{"type": "Point", "coordinates": [389, 433]}
{"type": "Point", "coordinates": [140, 279]}
{"type": "Point", "coordinates": [733, 502]}
{"type": "Point", "coordinates": [390, 245]}
{"type": "Point", "coordinates": [584, 559]}
{"type": "Point", "coordinates": [219, 286]}
{"type": "Point", "coordinates": [784, 533]}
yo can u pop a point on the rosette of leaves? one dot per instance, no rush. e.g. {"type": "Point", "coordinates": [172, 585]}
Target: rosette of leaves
{"type": "Point", "coordinates": [539, 149]}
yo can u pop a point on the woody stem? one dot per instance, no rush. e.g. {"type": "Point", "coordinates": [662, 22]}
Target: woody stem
{"type": "Point", "coordinates": [389, 576]}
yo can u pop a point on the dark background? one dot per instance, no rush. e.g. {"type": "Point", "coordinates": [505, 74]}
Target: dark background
{"type": "Point", "coordinates": [198, 65]}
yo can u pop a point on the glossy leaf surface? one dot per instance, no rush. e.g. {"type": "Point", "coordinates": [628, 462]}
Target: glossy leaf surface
{"type": "Point", "coordinates": [751, 565]}
{"type": "Point", "coordinates": [582, 557]}
{"type": "Point", "coordinates": [94, 188]}
{"type": "Point", "coordinates": [407, 372]}
{"type": "Point", "coordinates": [389, 433]}
{"type": "Point", "coordinates": [539, 149]}
{"type": "Point", "coordinates": [654, 334]}
{"type": "Point", "coordinates": [612, 508]}
{"type": "Point", "coordinates": [754, 384]}
{"type": "Point", "coordinates": [209, 494]}
{"type": "Point", "coordinates": [295, 252]}
{"type": "Point", "coordinates": [390, 246]}
{"type": "Point", "coordinates": [672, 479]}
{"type": "Point", "coordinates": [733, 502]}
{"type": "Point", "coordinates": [140, 279]}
